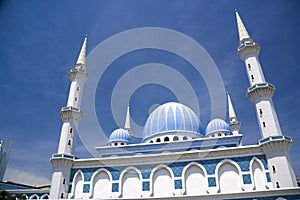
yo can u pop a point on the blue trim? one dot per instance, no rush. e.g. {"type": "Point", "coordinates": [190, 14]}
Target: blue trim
{"type": "Point", "coordinates": [212, 182]}
{"type": "Point", "coordinates": [115, 187]}
{"type": "Point", "coordinates": [86, 188]}
{"type": "Point", "coordinates": [268, 177]}
{"type": "Point", "coordinates": [146, 186]}
{"type": "Point", "coordinates": [182, 146]}
{"type": "Point", "coordinates": [178, 184]}
{"type": "Point", "coordinates": [70, 189]}
{"type": "Point", "coordinates": [247, 179]}
{"type": "Point", "coordinates": [176, 167]}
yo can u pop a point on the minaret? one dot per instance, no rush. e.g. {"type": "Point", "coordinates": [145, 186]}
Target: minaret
{"type": "Point", "coordinates": [70, 115]}
{"type": "Point", "coordinates": [275, 145]}
{"type": "Point", "coordinates": [127, 121]}
{"type": "Point", "coordinates": [260, 92]}
{"type": "Point", "coordinates": [234, 124]}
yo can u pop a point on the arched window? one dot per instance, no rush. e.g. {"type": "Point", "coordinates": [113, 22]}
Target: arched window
{"type": "Point", "coordinates": [194, 181]}
{"type": "Point", "coordinates": [122, 143]}
{"type": "Point", "coordinates": [258, 175]}
{"type": "Point", "coordinates": [166, 139]}
{"type": "Point", "coordinates": [260, 112]}
{"type": "Point", "coordinates": [69, 142]}
{"type": "Point", "coordinates": [184, 138]}
{"type": "Point", "coordinates": [249, 67]}
{"type": "Point", "coordinates": [77, 88]}
{"type": "Point", "coordinates": [64, 181]}
{"type": "Point", "coordinates": [101, 185]}
{"type": "Point", "coordinates": [175, 138]}
{"type": "Point", "coordinates": [264, 124]}
{"type": "Point", "coordinates": [71, 130]}
{"type": "Point", "coordinates": [229, 174]}
{"type": "Point", "coordinates": [78, 186]}
{"type": "Point", "coordinates": [163, 185]}
{"type": "Point", "coordinates": [277, 185]}
{"type": "Point", "coordinates": [252, 78]}
{"type": "Point", "coordinates": [274, 169]}
{"type": "Point", "coordinates": [131, 184]}
{"type": "Point", "coordinates": [158, 140]}
{"type": "Point", "coordinates": [151, 141]}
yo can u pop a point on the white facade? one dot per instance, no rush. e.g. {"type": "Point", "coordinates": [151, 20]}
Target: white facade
{"type": "Point", "coordinates": [176, 158]}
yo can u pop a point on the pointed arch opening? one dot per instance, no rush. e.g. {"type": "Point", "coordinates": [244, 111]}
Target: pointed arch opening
{"type": "Point", "coordinates": [131, 183]}
{"type": "Point", "coordinates": [77, 185]}
{"type": "Point", "coordinates": [258, 176]}
{"type": "Point", "coordinates": [195, 180]}
{"type": "Point", "coordinates": [101, 184]}
{"type": "Point", "coordinates": [228, 173]}
{"type": "Point", "coordinates": [162, 182]}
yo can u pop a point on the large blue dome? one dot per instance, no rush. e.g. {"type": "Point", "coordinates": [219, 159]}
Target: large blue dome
{"type": "Point", "coordinates": [120, 135]}
{"type": "Point", "coordinates": [217, 125]}
{"type": "Point", "coordinates": [172, 116]}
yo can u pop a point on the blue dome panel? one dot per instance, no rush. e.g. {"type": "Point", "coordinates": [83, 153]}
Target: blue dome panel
{"type": "Point", "coordinates": [179, 121]}
{"type": "Point", "coordinates": [170, 120]}
{"type": "Point", "coordinates": [120, 135]}
{"type": "Point", "coordinates": [172, 116]}
{"type": "Point", "coordinates": [217, 125]}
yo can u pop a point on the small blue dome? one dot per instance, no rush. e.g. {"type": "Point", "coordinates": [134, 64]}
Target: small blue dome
{"type": "Point", "coordinates": [217, 125]}
{"type": "Point", "coordinates": [172, 116]}
{"type": "Point", "coordinates": [120, 135]}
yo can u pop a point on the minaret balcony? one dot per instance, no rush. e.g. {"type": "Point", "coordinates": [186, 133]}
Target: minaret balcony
{"type": "Point", "coordinates": [276, 145]}
{"type": "Point", "coordinates": [79, 73]}
{"type": "Point", "coordinates": [70, 112]}
{"type": "Point", "coordinates": [248, 48]}
{"type": "Point", "coordinates": [260, 91]}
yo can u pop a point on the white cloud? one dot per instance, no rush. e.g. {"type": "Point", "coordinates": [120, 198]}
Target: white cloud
{"type": "Point", "coordinates": [18, 176]}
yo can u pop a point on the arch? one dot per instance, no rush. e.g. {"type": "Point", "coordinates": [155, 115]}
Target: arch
{"type": "Point", "coordinates": [162, 181]}
{"type": "Point", "coordinates": [131, 185]}
{"type": "Point", "coordinates": [34, 196]}
{"type": "Point", "coordinates": [257, 174]}
{"type": "Point", "coordinates": [229, 172]}
{"type": "Point", "coordinates": [77, 185]}
{"type": "Point", "coordinates": [101, 184]}
{"type": "Point", "coordinates": [194, 179]}
{"type": "Point", "coordinates": [45, 196]}
{"type": "Point", "coordinates": [158, 140]}
{"type": "Point", "coordinates": [175, 138]}
{"type": "Point", "coordinates": [166, 139]}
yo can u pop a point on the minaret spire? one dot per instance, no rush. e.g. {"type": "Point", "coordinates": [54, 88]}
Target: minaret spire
{"type": "Point", "coordinates": [234, 124]}
{"type": "Point", "coordinates": [81, 61]}
{"type": "Point", "coordinates": [231, 111]}
{"type": "Point", "coordinates": [127, 121]}
{"type": "Point", "coordinates": [243, 33]}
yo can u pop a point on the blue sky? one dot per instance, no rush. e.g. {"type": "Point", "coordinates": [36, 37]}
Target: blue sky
{"type": "Point", "coordinates": [40, 42]}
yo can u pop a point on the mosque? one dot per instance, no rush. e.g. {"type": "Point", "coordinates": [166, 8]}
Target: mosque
{"type": "Point", "coordinates": [177, 158]}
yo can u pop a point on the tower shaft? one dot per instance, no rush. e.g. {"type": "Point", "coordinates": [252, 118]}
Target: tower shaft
{"type": "Point", "coordinates": [275, 145]}
{"type": "Point", "coordinates": [70, 115]}
{"type": "Point", "coordinates": [260, 92]}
